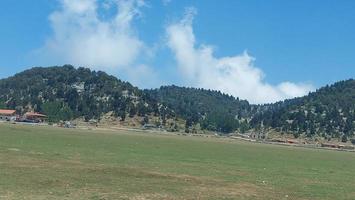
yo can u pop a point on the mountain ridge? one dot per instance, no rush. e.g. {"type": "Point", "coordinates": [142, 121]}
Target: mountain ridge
{"type": "Point", "coordinates": [66, 93]}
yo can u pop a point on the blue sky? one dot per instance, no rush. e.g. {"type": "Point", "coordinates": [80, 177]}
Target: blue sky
{"type": "Point", "coordinates": [273, 48]}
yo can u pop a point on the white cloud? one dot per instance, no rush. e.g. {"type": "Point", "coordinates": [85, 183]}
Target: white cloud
{"type": "Point", "coordinates": [81, 38]}
{"type": "Point", "coordinates": [166, 2]}
{"type": "Point", "coordinates": [235, 75]}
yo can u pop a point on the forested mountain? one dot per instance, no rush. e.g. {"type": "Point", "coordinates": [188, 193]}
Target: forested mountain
{"type": "Point", "coordinates": [65, 93]}
{"type": "Point", "coordinates": [329, 112]}
{"type": "Point", "coordinates": [212, 109]}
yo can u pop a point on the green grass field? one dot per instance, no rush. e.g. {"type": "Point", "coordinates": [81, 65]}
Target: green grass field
{"type": "Point", "coordinates": [53, 163]}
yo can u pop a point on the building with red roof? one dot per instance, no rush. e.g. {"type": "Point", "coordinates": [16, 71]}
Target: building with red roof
{"type": "Point", "coordinates": [7, 115]}
{"type": "Point", "coordinates": [34, 117]}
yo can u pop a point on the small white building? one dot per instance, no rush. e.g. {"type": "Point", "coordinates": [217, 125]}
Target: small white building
{"type": "Point", "coordinates": [7, 115]}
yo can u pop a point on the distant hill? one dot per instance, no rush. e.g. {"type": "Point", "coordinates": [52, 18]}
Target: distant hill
{"type": "Point", "coordinates": [328, 112]}
{"type": "Point", "coordinates": [212, 109]}
{"type": "Point", "coordinates": [65, 93]}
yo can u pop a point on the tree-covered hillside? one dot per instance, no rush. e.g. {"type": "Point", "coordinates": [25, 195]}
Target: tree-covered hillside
{"type": "Point", "coordinates": [212, 109]}
{"type": "Point", "coordinates": [328, 112]}
{"type": "Point", "coordinates": [66, 93]}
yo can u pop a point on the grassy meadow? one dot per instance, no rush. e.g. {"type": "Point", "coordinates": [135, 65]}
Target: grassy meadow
{"type": "Point", "coordinates": [54, 163]}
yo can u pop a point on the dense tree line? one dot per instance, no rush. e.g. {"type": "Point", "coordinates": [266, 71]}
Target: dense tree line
{"type": "Point", "coordinates": [65, 93]}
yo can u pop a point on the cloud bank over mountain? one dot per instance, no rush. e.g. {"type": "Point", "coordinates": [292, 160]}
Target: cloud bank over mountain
{"type": "Point", "coordinates": [235, 75]}
{"type": "Point", "coordinates": [83, 38]}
